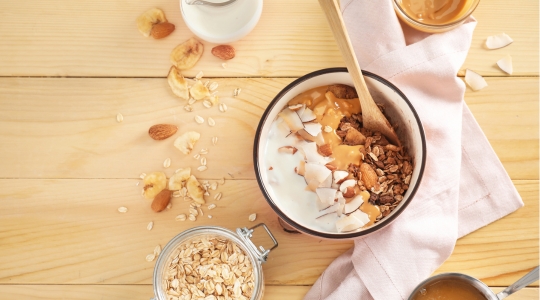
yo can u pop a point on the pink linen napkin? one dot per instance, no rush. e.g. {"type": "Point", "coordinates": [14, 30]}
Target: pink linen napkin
{"type": "Point", "coordinates": [464, 187]}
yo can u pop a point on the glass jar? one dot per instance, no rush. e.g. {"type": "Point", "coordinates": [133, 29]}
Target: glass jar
{"type": "Point", "coordinates": [463, 9]}
{"type": "Point", "coordinates": [208, 238]}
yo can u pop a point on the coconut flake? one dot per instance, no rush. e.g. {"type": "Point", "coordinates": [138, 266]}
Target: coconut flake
{"type": "Point", "coordinates": [312, 155]}
{"type": "Point", "coordinates": [347, 183]}
{"type": "Point", "coordinates": [505, 64]}
{"type": "Point", "coordinates": [361, 216]}
{"type": "Point", "coordinates": [307, 115]}
{"type": "Point", "coordinates": [475, 80]}
{"type": "Point", "coordinates": [327, 210]}
{"type": "Point", "coordinates": [340, 175]}
{"type": "Point", "coordinates": [327, 183]}
{"type": "Point", "coordinates": [316, 172]}
{"type": "Point", "coordinates": [498, 41]}
{"type": "Point", "coordinates": [348, 223]}
{"type": "Point", "coordinates": [353, 205]}
{"type": "Point", "coordinates": [326, 195]}
{"type": "Point", "coordinates": [313, 128]}
{"type": "Point", "coordinates": [292, 119]}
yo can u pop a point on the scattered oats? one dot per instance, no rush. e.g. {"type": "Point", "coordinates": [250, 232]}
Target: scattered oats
{"type": "Point", "coordinates": [137, 183]}
{"type": "Point", "coordinates": [211, 206]}
{"type": "Point", "coordinates": [169, 206]}
{"type": "Point", "coordinates": [209, 216]}
{"type": "Point", "coordinates": [327, 128]}
{"type": "Point", "coordinates": [176, 194]}
{"type": "Point", "coordinates": [214, 140]}
{"type": "Point", "coordinates": [197, 156]}
{"type": "Point", "coordinates": [157, 250]}
{"type": "Point", "coordinates": [237, 92]}
{"type": "Point", "coordinates": [122, 209]}
{"type": "Point", "coordinates": [206, 193]}
{"type": "Point", "coordinates": [213, 186]}
{"type": "Point", "coordinates": [188, 108]}
{"type": "Point", "coordinates": [207, 103]}
{"type": "Point", "coordinates": [213, 86]}
{"type": "Point", "coordinates": [199, 75]}
{"type": "Point", "coordinates": [200, 211]}
{"type": "Point", "coordinates": [183, 191]}
{"type": "Point", "coordinates": [373, 156]}
{"type": "Point", "coordinates": [252, 217]}
{"type": "Point", "coordinates": [193, 211]}
{"type": "Point", "coordinates": [167, 163]}
{"type": "Point", "coordinates": [206, 83]}
{"type": "Point", "coordinates": [142, 175]}
{"type": "Point", "coordinates": [150, 226]}
{"type": "Point", "coordinates": [203, 161]}
{"type": "Point", "coordinates": [191, 101]}
{"type": "Point", "coordinates": [199, 119]}
{"type": "Point", "coordinates": [217, 197]}
{"type": "Point", "coordinates": [211, 122]}
{"type": "Point", "coordinates": [192, 218]}
{"type": "Point", "coordinates": [202, 168]}
{"type": "Point", "coordinates": [150, 257]}
{"type": "Point", "coordinates": [224, 65]}
{"type": "Point", "coordinates": [178, 170]}
{"type": "Point", "coordinates": [119, 118]}
{"type": "Point", "coordinates": [180, 217]}
{"type": "Point", "coordinates": [222, 107]}
{"type": "Point", "coordinates": [203, 151]}
{"type": "Point", "coordinates": [222, 181]}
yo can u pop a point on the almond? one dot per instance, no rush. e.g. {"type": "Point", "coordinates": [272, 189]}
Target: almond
{"type": "Point", "coordinates": [162, 131]}
{"type": "Point", "coordinates": [325, 150]}
{"type": "Point", "coordinates": [224, 52]}
{"type": "Point", "coordinates": [354, 137]}
{"type": "Point", "coordinates": [162, 30]}
{"type": "Point", "coordinates": [161, 200]}
{"type": "Point", "coordinates": [349, 192]}
{"type": "Point", "coordinates": [369, 177]}
{"type": "Point", "coordinates": [343, 91]}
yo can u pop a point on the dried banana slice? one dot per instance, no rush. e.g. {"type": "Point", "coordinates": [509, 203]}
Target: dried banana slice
{"type": "Point", "coordinates": [198, 91]}
{"type": "Point", "coordinates": [154, 183]}
{"type": "Point", "coordinates": [178, 83]}
{"type": "Point", "coordinates": [195, 190]}
{"type": "Point", "coordinates": [178, 180]}
{"type": "Point", "coordinates": [186, 141]}
{"type": "Point", "coordinates": [187, 54]}
{"type": "Point", "coordinates": [148, 19]}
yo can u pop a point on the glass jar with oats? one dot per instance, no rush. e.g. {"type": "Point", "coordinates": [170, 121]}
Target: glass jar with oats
{"type": "Point", "coordinates": [211, 262]}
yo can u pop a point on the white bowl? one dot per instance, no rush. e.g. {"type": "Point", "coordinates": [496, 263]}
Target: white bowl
{"type": "Point", "coordinates": [296, 211]}
{"type": "Point", "coordinates": [222, 24]}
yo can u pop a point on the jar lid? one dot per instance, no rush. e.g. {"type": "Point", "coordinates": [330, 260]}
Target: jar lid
{"type": "Point", "coordinates": [222, 24]}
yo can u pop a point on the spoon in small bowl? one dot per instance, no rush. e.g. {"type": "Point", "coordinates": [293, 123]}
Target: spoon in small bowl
{"type": "Point", "coordinates": [372, 117]}
{"type": "Point", "coordinates": [209, 3]}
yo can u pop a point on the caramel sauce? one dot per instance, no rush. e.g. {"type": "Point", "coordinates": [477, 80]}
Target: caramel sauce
{"type": "Point", "coordinates": [329, 111]}
{"type": "Point", "coordinates": [435, 12]}
{"type": "Point", "coordinates": [449, 289]}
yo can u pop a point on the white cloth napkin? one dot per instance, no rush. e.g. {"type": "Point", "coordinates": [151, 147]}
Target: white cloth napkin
{"type": "Point", "coordinates": [464, 186]}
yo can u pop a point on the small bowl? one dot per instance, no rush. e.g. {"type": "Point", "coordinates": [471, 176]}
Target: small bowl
{"type": "Point", "coordinates": [397, 108]}
{"type": "Point", "coordinates": [222, 24]}
{"type": "Point", "coordinates": [435, 26]}
{"type": "Point", "coordinates": [458, 278]}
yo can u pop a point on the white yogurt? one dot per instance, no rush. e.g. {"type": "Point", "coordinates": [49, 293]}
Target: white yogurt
{"type": "Point", "coordinates": [288, 188]}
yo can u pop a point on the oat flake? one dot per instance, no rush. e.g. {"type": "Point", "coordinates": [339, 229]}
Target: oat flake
{"type": "Point", "coordinates": [327, 128]}
{"type": "Point", "coordinates": [199, 75]}
{"type": "Point", "coordinates": [119, 118]}
{"type": "Point", "coordinates": [157, 250]}
{"type": "Point", "coordinates": [204, 151]}
{"type": "Point", "coordinates": [192, 218]}
{"type": "Point", "coordinates": [150, 257]}
{"type": "Point", "coordinates": [213, 86]}
{"type": "Point", "coordinates": [222, 107]}
{"type": "Point", "coordinates": [142, 175]}
{"type": "Point", "coordinates": [252, 217]}
{"type": "Point", "coordinates": [181, 217]}
{"type": "Point", "coordinates": [217, 197]}
{"type": "Point", "coordinates": [191, 101]}
{"type": "Point", "coordinates": [209, 216]}
{"type": "Point", "coordinates": [207, 103]}
{"type": "Point", "coordinates": [122, 209]}
{"type": "Point", "coordinates": [224, 65]}
{"type": "Point", "coordinates": [150, 226]}
{"type": "Point", "coordinates": [199, 119]}
{"type": "Point", "coordinates": [167, 163]}
{"type": "Point", "coordinates": [214, 140]}
{"type": "Point", "coordinates": [211, 122]}
{"type": "Point", "coordinates": [202, 168]}
{"type": "Point", "coordinates": [203, 161]}
{"type": "Point", "coordinates": [188, 108]}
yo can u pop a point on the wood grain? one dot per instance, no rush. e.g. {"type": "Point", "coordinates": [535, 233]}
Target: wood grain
{"type": "Point", "coordinates": [99, 38]}
{"type": "Point", "coordinates": [67, 128]}
{"type": "Point", "coordinates": [129, 292]}
{"type": "Point", "coordinates": [68, 231]}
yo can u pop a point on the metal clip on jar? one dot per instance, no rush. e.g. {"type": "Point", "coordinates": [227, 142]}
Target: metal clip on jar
{"type": "Point", "coordinates": [242, 239]}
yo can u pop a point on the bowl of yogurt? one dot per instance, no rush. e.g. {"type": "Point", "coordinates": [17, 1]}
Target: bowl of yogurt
{"type": "Point", "coordinates": [321, 171]}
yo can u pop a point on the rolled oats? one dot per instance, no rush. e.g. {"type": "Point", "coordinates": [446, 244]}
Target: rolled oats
{"type": "Point", "coordinates": [150, 226]}
{"type": "Point", "coordinates": [122, 209]}
{"type": "Point", "coordinates": [119, 118]}
{"type": "Point", "coordinates": [209, 268]}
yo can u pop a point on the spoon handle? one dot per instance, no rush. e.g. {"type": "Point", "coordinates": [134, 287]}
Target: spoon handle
{"type": "Point", "coordinates": [529, 278]}
{"type": "Point", "coordinates": [373, 118]}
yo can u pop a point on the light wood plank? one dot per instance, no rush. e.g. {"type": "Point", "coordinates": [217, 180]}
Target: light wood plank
{"type": "Point", "coordinates": [99, 38]}
{"type": "Point", "coordinates": [129, 292]}
{"type": "Point", "coordinates": [66, 128]}
{"type": "Point", "coordinates": [68, 231]}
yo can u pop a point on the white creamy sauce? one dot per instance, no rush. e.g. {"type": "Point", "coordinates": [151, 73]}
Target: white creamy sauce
{"type": "Point", "coordinates": [288, 189]}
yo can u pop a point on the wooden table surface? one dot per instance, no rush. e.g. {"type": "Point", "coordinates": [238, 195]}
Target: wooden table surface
{"type": "Point", "coordinates": [67, 68]}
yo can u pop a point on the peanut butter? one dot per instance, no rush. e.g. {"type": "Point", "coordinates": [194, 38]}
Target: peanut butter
{"type": "Point", "coordinates": [434, 12]}
{"type": "Point", "coordinates": [449, 289]}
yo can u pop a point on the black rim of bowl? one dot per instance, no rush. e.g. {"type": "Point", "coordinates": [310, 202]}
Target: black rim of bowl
{"type": "Point", "coordinates": [304, 229]}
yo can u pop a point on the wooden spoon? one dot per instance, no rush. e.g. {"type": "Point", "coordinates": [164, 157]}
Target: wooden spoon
{"type": "Point", "coordinates": [372, 116]}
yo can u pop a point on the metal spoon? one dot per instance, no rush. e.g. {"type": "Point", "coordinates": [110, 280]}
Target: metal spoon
{"type": "Point", "coordinates": [372, 116]}
{"type": "Point", "coordinates": [203, 2]}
